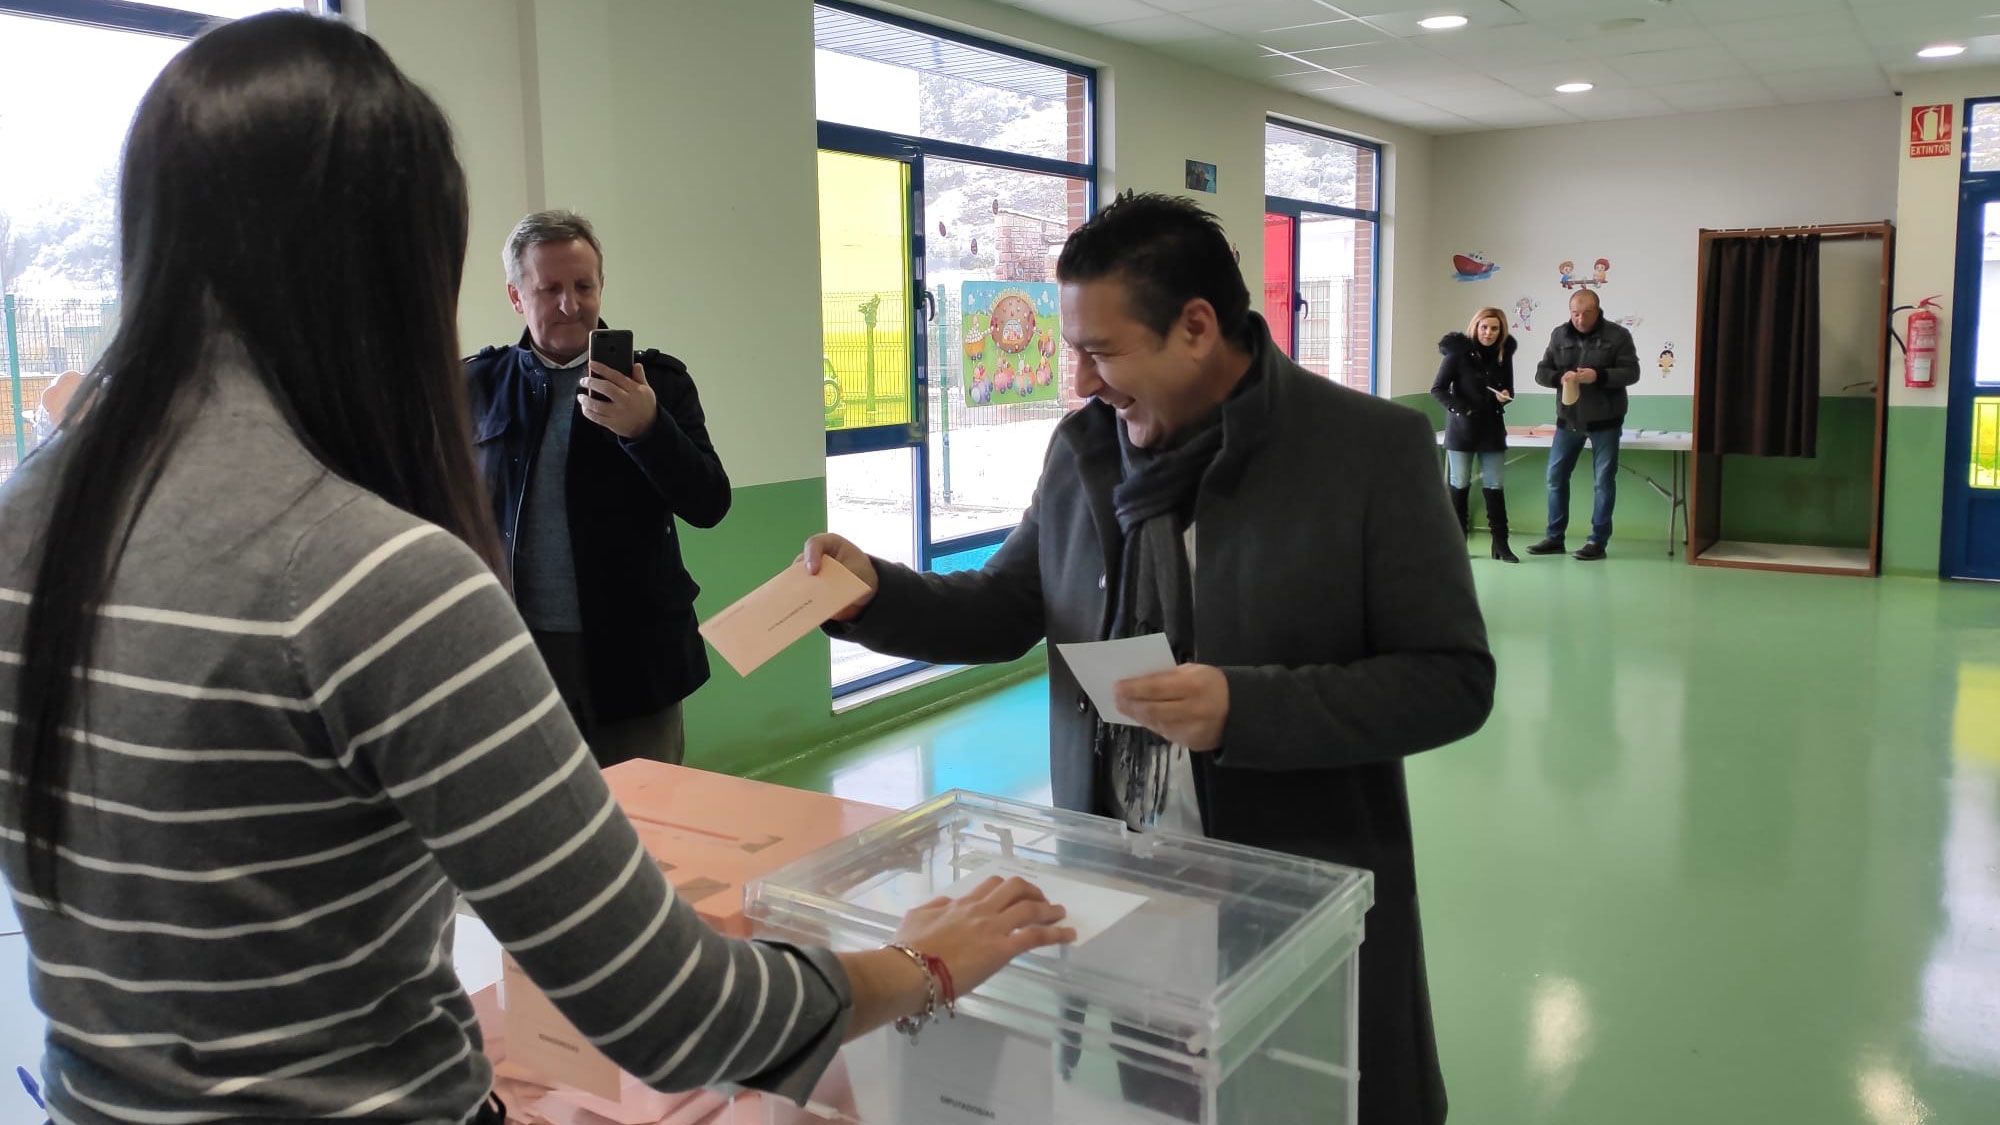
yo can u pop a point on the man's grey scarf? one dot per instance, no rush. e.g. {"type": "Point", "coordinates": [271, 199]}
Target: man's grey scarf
{"type": "Point", "coordinates": [1154, 503]}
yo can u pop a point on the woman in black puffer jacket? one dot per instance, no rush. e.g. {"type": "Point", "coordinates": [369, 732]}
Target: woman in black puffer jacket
{"type": "Point", "coordinates": [1475, 383]}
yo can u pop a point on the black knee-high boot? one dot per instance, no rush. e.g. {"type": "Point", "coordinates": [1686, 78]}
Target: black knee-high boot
{"type": "Point", "coordinates": [1461, 506]}
{"type": "Point", "coordinates": [1496, 523]}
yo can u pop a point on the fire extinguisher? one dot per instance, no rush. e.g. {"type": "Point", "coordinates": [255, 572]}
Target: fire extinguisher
{"type": "Point", "coordinates": [1920, 354]}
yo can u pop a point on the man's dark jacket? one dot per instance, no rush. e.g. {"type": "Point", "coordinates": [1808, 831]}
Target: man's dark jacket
{"type": "Point", "coordinates": [635, 595]}
{"type": "Point", "coordinates": [1332, 588]}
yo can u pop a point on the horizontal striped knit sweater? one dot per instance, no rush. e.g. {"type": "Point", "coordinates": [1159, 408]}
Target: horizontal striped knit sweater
{"type": "Point", "coordinates": [311, 716]}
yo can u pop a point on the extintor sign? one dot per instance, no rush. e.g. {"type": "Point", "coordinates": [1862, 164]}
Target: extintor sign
{"type": "Point", "coordinates": [1930, 130]}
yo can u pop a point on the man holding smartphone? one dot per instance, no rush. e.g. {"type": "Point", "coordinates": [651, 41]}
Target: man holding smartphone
{"type": "Point", "coordinates": [588, 465]}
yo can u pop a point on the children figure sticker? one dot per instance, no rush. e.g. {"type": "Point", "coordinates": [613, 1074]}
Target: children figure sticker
{"type": "Point", "coordinates": [1524, 314]}
{"type": "Point", "coordinates": [1013, 342]}
{"type": "Point", "coordinates": [1667, 360]}
{"type": "Point", "coordinates": [1572, 278]}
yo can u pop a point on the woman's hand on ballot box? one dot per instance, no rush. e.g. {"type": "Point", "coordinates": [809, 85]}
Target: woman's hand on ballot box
{"type": "Point", "coordinates": [973, 936]}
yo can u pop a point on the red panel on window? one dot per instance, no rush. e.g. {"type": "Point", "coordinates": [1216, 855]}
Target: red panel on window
{"type": "Point", "coordinates": [1279, 285]}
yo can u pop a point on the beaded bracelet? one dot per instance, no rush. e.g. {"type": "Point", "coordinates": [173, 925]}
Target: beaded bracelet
{"type": "Point", "coordinates": [939, 988]}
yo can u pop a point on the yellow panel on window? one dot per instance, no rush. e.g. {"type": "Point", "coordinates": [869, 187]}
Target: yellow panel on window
{"type": "Point", "coordinates": [1986, 443]}
{"type": "Point", "coordinates": [866, 376]}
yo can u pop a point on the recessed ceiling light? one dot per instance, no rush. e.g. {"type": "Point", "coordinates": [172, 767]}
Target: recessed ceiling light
{"type": "Point", "coordinates": [1575, 88]}
{"type": "Point", "coordinates": [1942, 51]}
{"type": "Point", "coordinates": [1441, 23]}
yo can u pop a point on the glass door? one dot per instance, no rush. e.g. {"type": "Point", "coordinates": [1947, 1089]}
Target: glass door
{"type": "Point", "coordinates": [871, 340]}
{"type": "Point", "coordinates": [997, 366]}
{"type": "Point", "coordinates": [1971, 546]}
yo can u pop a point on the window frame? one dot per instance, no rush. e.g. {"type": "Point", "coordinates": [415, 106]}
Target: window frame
{"type": "Point", "coordinates": [146, 19]}
{"type": "Point", "coordinates": [913, 150]}
{"type": "Point", "coordinates": [1297, 209]}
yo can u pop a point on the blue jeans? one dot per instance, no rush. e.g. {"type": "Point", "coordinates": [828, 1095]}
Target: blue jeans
{"type": "Point", "coordinates": [1563, 456]}
{"type": "Point", "coordinates": [1459, 466]}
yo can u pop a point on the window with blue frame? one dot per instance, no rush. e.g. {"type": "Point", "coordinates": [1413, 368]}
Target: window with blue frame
{"type": "Point", "coordinates": [1322, 249]}
{"type": "Point", "coordinates": [71, 74]}
{"type": "Point", "coordinates": [951, 170]}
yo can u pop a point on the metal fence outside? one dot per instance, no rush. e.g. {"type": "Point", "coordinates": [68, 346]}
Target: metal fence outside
{"type": "Point", "coordinates": [42, 338]}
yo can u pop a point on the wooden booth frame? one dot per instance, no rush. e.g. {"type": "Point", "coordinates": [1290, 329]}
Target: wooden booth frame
{"type": "Point", "coordinates": [1705, 469]}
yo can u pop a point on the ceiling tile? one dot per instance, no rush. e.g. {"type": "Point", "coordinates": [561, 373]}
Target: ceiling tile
{"type": "Point", "coordinates": [1382, 53]}
{"type": "Point", "coordinates": [1580, 14]}
{"type": "Point", "coordinates": [1525, 115]}
{"type": "Point", "coordinates": [1610, 43]}
{"type": "Point", "coordinates": [1676, 66]}
{"type": "Point", "coordinates": [1316, 83]}
{"type": "Point", "coordinates": [1158, 29]}
{"type": "Point", "coordinates": [1804, 52]}
{"type": "Point", "coordinates": [1249, 16]}
{"type": "Point", "coordinates": [1399, 17]}
{"type": "Point", "coordinates": [1611, 105]}
{"type": "Point", "coordinates": [1696, 97]}
{"type": "Point", "coordinates": [1316, 37]}
{"type": "Point", "coordinates": [1472, 104]}
{"type": "Point", "coordinates": [1522, 45]}
{"type": "Point", "coordinates": [1088, 13]}
{"type": "Point", "coordinates": [1832, 84]}
{"type": "Point", "coordinates": [1727, 11]}
{"type": "Point", "coordinates": [1751, 30]}
{"type": "Point", "coordinates": [1366, 99]}
{"type": "Point", "coordinates": [1541, 81]}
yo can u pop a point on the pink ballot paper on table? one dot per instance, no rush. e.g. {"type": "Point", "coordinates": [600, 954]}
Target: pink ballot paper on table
{"type": "Point", "coordinates": [769, 619]}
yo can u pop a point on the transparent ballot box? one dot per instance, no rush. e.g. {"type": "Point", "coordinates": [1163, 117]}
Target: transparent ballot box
{"type": "Point", "coordinates": [1211, 983]}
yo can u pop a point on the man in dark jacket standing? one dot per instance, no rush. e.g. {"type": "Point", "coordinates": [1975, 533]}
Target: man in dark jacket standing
{"type": "Point", "coordinates": [1590, 361]}
{"type": "Point", "coordinates": [587, 469]}
{"type": "Point", "coordinates": [1289, 538]}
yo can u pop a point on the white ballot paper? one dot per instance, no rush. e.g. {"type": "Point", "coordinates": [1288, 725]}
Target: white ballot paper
{"type": "Point", "coordinates": [1092, 909]}
{"type": "Point", "coordinates": [1099, 665]}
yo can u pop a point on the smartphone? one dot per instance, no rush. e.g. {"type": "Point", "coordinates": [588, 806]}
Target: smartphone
{"type": "Point", "coordinates": [611, 347]}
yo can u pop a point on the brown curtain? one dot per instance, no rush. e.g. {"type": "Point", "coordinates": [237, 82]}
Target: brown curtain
{"type": "Point", "coordinates": [1758, 372]}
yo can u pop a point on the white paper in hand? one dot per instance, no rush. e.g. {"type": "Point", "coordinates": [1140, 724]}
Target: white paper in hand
{"type": "Point", "coordinates": [1099, 665]}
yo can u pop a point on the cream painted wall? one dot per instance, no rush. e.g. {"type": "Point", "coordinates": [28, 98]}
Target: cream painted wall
{"type": "Point", "coordinates": [1927, 211]}
{"type": "Point", "coordinates": [684, 130]}
{"type": "Point", "coordinates": [1638, 193]}
{"type": "Point", "coordinates": [468, 54]}
{"type": "Point", "coordinates": [693, 152]}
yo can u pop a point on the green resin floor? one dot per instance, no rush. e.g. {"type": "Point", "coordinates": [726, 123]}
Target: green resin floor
{"type": "Point", "coordinates": [1727, 852]}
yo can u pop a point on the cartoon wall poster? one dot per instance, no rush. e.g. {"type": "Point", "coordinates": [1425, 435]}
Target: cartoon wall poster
{"type": "Point", "coordinates": [1524, 314]}
{"type": "Point", "coordinates": [1666, 361]}
{"type": "Point", "coordinates": [1572, 278]}
{"type": "Point", "coordinates": [1013, 342]}
{"type": "Point", "coordinates": [1472, 267]}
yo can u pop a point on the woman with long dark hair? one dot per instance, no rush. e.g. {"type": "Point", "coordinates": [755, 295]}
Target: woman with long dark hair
{"type": "Point", "coordinates": [268, 706]}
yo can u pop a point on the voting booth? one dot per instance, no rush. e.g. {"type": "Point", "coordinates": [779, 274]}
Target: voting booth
{"type": "Point", "coordinates": [1211, 983]}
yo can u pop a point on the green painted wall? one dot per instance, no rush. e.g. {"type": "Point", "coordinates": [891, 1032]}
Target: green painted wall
{"type": "Point", "coordinates": [1825, 500]}
{"type": "Point", "coordinates": [1771, 499]}
{"type": "Point", "coordinates": [785, 708]}
{"type": "Point", "coordinates": [1913, 491]}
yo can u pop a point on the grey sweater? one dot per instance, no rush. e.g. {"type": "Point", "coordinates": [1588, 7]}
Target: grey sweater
{"type": "Point", "coordinates": [311, 716]}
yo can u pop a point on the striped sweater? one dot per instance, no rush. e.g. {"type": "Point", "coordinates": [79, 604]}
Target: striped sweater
{"type": "Point", "coordinates": [311, 716]}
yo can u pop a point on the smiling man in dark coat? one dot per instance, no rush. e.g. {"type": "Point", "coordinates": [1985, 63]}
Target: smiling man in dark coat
{"type": "Point", "coordinates": [1289, 537]}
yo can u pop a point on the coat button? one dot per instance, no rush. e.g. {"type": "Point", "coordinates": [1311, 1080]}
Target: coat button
{"type": "Point", "coordinates": [1082, 703]}
{"type": "Point", "coordinates": [1100, 582]}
